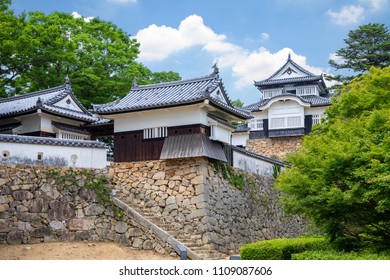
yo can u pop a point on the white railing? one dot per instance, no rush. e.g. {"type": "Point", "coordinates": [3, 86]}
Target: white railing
{"type": "Point", "coordinates": [311, 90]}
{"type": "Point", "coordinates": [267, 94]}
{"type": "Point", "coordinates": [72, 136]}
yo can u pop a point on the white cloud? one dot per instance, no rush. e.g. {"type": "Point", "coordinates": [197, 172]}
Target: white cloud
{"type": "Point", "coordinates": [77, 15]}
{"type": "Point", "coordinates": [336, 58]}
{"type": "Point", "coordinates": [122, 1]}
{"type": "Point", "coordinates": [264, 36]}
{"type": "Point", "coordinates": [347, 15]}
{"type": "Point", "coordinates": [159, 42]}
{"type": "Point", "coordinates": [375, 5]}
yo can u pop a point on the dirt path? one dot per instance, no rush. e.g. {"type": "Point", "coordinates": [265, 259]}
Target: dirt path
{"type": "Point", "coordinates": [77, 251]}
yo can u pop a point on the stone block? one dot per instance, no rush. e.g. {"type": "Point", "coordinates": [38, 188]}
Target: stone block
{"type": "Point", "coordinates": [197, 214]}
{"type": "Point", "coordinates": [3, 199]}
{"type": "Point", "coordinates": [137, 243]}
{"type": "Point", "coordinates": [15, 237]}
{"type": "Point", "coordinates": [198, 199]}
{"type": "Point", "coordinates": [25, 216]}
{"type": "Point", "coordinates": [4, 225]}
{"type": "Point", "coordinates": [3, 208]}
{"type": "Point", "coordinates": [88, 195]}
{"type": "Point", "coordinates": [50, 191]}
{"type": "Point", "coordinates": [56, 225]}
{"type": "Point", "coordinates": [25, 226]}
{"type": "Point", "coordinates": [134, 232]}
{"type": "Point", "coordinates": [41, 232]}
{"type": "Point", "coordinates": [93, 210]}
{"type": "Point", "coordinates": [159, 176]}
{"type": "Point", "coordinates": [3, 182]}
{"type": "Point", "coordinates": [22, 195]}
{"type": "Point", "coordinates": [38, 205]}
{"type": "Point", "coordinates": [170, 200]}
{"type": "Point", "coordinates": [121, 227]}
{"type": "Point", "coordinates": [64, 211]}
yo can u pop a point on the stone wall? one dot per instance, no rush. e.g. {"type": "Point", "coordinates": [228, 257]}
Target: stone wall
{"type": "Point", "coordinates": [171, 190]}
{"type": "Point", "coordinates": [236, 217]}
{"type": "Point", "coordinates": [200, 204]}
{"type": "Point", "coordinates": [35, 208]}
{"type": "Point", "coordinates": [188, 194]}
{"type": "Point", "coordinates": [276, 148]}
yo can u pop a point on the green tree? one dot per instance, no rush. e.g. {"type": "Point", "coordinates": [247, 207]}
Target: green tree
{"type": "Point", "coordinates": [98, 56]}
{"type": "Point", "coordinates": [238, 103]}
{"type": "Point", "coordinates": [340, 178]}
{"type": "Point", "coordinates": [367, 46]}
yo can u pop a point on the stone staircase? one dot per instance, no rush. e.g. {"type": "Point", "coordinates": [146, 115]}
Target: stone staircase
{"type": "Point", "coordinates": [195, 248]}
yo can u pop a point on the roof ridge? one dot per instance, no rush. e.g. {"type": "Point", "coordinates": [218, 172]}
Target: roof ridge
{"type": "Point", "coordinates": [172, 83]}
{"type": "Point", "coordinates": [32, 94]}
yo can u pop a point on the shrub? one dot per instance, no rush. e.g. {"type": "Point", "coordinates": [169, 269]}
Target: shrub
{"type": "Point", "coordinates": [337, 255]}
{"type": "Point", "coordinates": [281, 249]}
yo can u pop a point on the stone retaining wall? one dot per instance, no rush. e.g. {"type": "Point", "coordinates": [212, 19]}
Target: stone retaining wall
{"type": "Point", "coordinates": [193, 197]}
{"type": "Point", "coordinates": [33, 209]}
{"type": "Point", "coordinates": [276, 148]}
{"type": "Point", "coordinates": [188, 194]}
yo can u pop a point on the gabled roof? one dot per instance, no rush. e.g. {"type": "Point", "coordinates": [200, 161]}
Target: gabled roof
{"type": "Point", "coordinates": [144, 97]}
{"type": "Point", "coordinates": [313, 100]}
{"type": "Point", "coordinates": [298, 75]}
{"type": "Point", "coordinates": [46, 101]}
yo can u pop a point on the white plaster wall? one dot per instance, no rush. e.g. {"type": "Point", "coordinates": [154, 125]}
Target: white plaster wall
{"type": "Point", "coordinates": [176, 116]}
{"type": "Point", "coordinates": [72, 105]}
{"type": "Point", "coordinates": [30, 123]}
{"type": "Point", "coordinates": [221, 133]}
{"type": "Point", "coordinates": [86, 157]}
{"type": "Point", "coordinates": [251, 164]}
{"type": "Point", "coordinates": [239, 139]}
{"type": "Point", "coordinates": [315, 110]}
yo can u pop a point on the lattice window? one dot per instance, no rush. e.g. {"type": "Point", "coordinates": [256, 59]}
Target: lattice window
{"type": "Point", "coordinates": [316, 118]}
{"type": "Point", "coordinates": [155, 132]}
{"type": "Point", "coordinates": [286, 122]}
{"type": "Point", "coordinates": [259, 124]}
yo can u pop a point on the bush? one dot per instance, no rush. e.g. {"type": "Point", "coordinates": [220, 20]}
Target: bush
{"type": "Point", "coordinates": [281, 249]}
{"type": "Point", "coordinates": [336, 255]}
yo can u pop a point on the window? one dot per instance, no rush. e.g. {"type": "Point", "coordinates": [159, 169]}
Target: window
{"type": "Point", "coordinates": [40, 156]}
{"type": "Point", "coordinates": [317, 118]}
{"type": "Point", "coordinates": [259, 124]}
{"type": "Point", "coordinates": [252, 124]}
{"type": "Point", "coordinates": [286, 122]}
{"type": "Point", "coordinates": [155, 132]}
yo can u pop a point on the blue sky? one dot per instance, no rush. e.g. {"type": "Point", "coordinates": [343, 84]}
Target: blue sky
{"type": "Point", "coordinates": [250, 39]}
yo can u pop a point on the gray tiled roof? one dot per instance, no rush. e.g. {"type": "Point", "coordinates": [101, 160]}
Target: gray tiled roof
{"type": "Point", "coordinates": [314, 101]}
{"type": "Point", "coordinates": [182, 92]}
{"type": "Point", "coordinates": [50, 141]}
{"type": "Point", "coordinates": [45, 100]}
{"type": "Point", "coordinates": [242, 128]}
{"type": "Point", "coordinates": [70, 128]}
{"type": "Point", "coordinates": [258, 156]}
{"type": "Point", "coordinates": [310, 77]}
{"type": "Point", "coordinates": [220, 120]}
